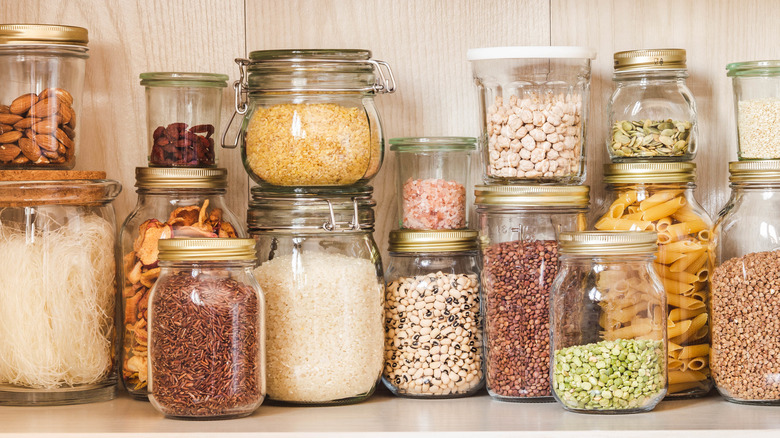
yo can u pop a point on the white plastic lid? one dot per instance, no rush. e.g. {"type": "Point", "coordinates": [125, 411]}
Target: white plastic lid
{"type": "Point", "coordinates": [529, 52]}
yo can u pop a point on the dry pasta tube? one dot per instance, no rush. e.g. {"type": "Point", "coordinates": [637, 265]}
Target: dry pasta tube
{"type": "Point", "coordinates": [684, 302]}
{"type": "Point", "coordinates": [686, 376]}
{"type": "Point", "coordinates": [658, 198]}
{"type": "Point", "coordinates": [608, 223]}
{"type": "Point", "coordinates": [695, 364]}
{"type": "Point", "coordinates": [637, 328]}
{"type": "Point", "coordinates": [685, 214]}
{"type": "Point", "coordinates": [675, 329]}
{"type": "Point", "coordinates": [677, 315]}
{"type": "Point", "coordinates": [680, 387]}
{"type": "Point", "coordinates": [663, 210]}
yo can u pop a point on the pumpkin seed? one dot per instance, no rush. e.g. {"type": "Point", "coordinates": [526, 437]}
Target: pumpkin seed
{"type": "Point", "coordinates": [650, 138]}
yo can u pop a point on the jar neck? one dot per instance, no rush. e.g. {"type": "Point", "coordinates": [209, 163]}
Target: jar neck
{"type": "Point", "coordinates": [466, 253]}
{"type": "Point", "coordinates": [650, 76]}
{"type": "Point", "coordinates": [531, 210]}
{"type": "Point", "coordinates": [755, 186]}
{"type": "Point", "coordinates": [609, 259]}
{"type": "Point", "coordinates": [206, 264]}
{"type": "Point", "coordinates": [656, 186]}
{"type": "Point", "coordinates": [144, 191]}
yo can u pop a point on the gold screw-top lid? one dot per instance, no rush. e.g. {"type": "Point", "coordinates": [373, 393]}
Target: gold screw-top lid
{"type": "Point", "coordinates": [217, 249]}
{"type": "Point", "coordinates": [33, 34]}
{"type": "Point", "coordinates": [532, 196]}
{"type": "Point", "coordinates": [433, 240]}
{"type": "Point", "coordinates": [637, 173]}
{"type": "Point", "coordinates": [180, 178]}
{"type": "Point", "coordinates": [608, 242]}
{"type": "Point", "coordinates": [758, 171]}
{"type": "Point", "coordinates": [649, 60]}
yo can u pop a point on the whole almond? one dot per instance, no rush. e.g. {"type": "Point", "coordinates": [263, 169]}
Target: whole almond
{"type": "Point", "coordinates": [4, 109]}
{"type": "Point", "coordinates": [60, 93]}
{"type": "Point", "coordinates": [69, 131]}
{"type": "Point", "coordinates": [42, 160]}
{"type": "Point", "coordinates": [46, 126]}
{"type": "Point", "coordinates": [29, 149]}
{"type": "Point", "coordinates": [23, 103]}
{"type": "Point", "coordinates": [45, 108]}
{"type": "Point", "coordinates": [65, 113]}
{"type": "Point", "coordinates": [59, 160]}
{"type": "Point", "coordinates": [25, 123]}
{"type": "Point", "coordinates": [9, 119]}
{"type": "Point", "coordinates": [61, 149]}
{"type": "Point", "coordinates": [63, 138]}
{"type": "Point", "coordinates": [49, 154]}
{"type": "Point", "coordinates": [8, 152]}
{"type": "Point", "coordinates": [29, 134]}
{"type": "Point", "coordinates": [72, 121]}
{"type": "Point", "coordinates": [10, 137]}
{"type": "Point", "coordinates": [5, 128]}
{"type": "Point", "coordinates": [21, 159]}
{"type": "Point", "coordinates": [47, 143]}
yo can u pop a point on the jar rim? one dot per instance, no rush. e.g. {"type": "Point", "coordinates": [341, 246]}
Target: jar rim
{"type": "Point", "coordinates": [418, 241]}
{"type": "Point", "coordinates": [753, 68]}
{"type": "Point", "coordinates": [754, 171]}
{"type": "Point", "coordinates": [180, 178]}
{"type": "Point", "coordinates": [311, 54]}
{"type": "Point", "coordinates": [608, 242]}
{"type": "Point", "coordinates": [530, 52]}
{"type": "Point", "coordinates": [433, 144]}
{"type": "Point", "coordinates": [649, 172]}
{"type": "Point", "coordinates": [58, 192]}
{"type": "Point", "coordinates": [205, 249]}
{"type": "Point", "coordinates": [547, 196]}
{"type": "Point", "coordinates": [24, 34]}
{"type": "Point", "coordinates": [183, 79]}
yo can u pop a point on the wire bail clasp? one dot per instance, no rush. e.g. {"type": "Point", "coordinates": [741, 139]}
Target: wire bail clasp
{"type": "Point", "coordinates": [240, 102]}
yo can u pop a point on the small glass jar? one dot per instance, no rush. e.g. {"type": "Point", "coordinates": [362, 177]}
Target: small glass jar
{"type": "Point", "coordinates": [756, 101]}
{"type": "Point", "coordinates": [182, 114]}
{"type": "Point", "coordinates": [652, 113]}
{"type": "Point", "coordinates": [42, 76]}
{"type": "Point", "coordinates": [659, 197]}
{"type": "Point", "coordinates": [745, 302]}
{"type": "Point", "coordinates": [57, 305]}
{"type": "Point", "coordinates": [206, 330]}
{"type": "Point", "coordinates": [533, 107]}
{"type": "Point", "coordinates": [433, 328]}
{"type": "Point", "coordinates": [519, 228]}
{"type": "Point", "coordinates": [433, 178]}
{"type": "Point", "coordinates": [608, 324]}
{"type": "Point", "coordinates": [321, 273]}
{"type": "Point", "coordinates": [309, 118]}
{"type": "Point", "coordinates": [172, 202]}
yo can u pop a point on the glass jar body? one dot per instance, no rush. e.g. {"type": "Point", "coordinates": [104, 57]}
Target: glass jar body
{"type": "Point", "coordinates": [433, 327]}
{"type": "Point", "coordinates": [744, 304]}
{"type": "Point", "coordinates": [652, 116]}
{"type": "Point", "coordinates": [40, 103]}
{"type": "Point", "coordinates": [519, 263]}
{"type": "Point", "coordinates": [756, 98]}
{"type": "Point", "coordinates": [684, 264]}
{"type": "Point", "coordinates": [159, 213]}
{"type": "Point", "coordinates": [608, 334]}
{"type": "Point", "coordinates": [206, 340]}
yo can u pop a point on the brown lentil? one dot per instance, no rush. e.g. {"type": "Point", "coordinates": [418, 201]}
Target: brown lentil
{"type": "Point", "coordinates": [517, 279]}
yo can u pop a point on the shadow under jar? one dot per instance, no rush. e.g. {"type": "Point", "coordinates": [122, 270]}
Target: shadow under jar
{"type": "Point", "coordinates": [321, 273]}
{"type": "Point", "coordinates": [519, 227]}
{"type": "Point", "coordinates": [308, 117]}
{"type": "Point", "coordinates": [433, 327]}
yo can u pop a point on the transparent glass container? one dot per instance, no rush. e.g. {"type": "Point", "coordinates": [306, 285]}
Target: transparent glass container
{"type": "Point", "coordinates": [58, 287]}
{"type": "Point", "coordinates": [42, 75]}
{"type": "Point", "coordinates": [660, 197]}
{"type": "Point", "coordinates": [744, 303]}
{"type": "Point", "coordinates": [433, 181]}
{"type": "Point", "coordinates": [433, 327]}
{"type": "Point", "coordinates": [519, 227]}
{"type": "Point", "coordinates": [206, 330]}
{"type": "Point", "coordinates": [309, 117]}
{"type": "Point", "coordinates": [608, 324]}
{"type": "Point", "coordinates": [321, 273]}
{"type": "Point", "coordinates": [756, 86]}
{"type": "Point", "coordinates": [182, 115]}
{"type": "Point", "coordinates": [652, 113]}
{"type": "Point", "coordinates": [533, 110]}
{"type": "Point", "coordinates": [170, 203]}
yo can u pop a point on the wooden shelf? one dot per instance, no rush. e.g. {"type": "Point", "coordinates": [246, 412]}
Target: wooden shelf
{"type": "Point", "coordinates": [384, 416]}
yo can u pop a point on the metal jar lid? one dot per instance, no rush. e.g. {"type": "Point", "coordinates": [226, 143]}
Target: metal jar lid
{"type": "Point", "coordinates": [43, 34]}
{"type": "Point", "coordinates": [608, 242]}
{"type": "Point", "coordinates": [650, 173]}
{"type": "Point", "coordinates": [183, 79]}
{"type": "Point", "coordinates": [180, 178]}
{"type": "Point", "coordinates": [217, 249]}
{"type": "Point", "coordinates": [758, 171]}
{"type": "Point", "coordinates": [650, 60]}
{"type": "Point", "coordinates": [532, 196]}
{"type": "Point", "coordinates": [414, 241]}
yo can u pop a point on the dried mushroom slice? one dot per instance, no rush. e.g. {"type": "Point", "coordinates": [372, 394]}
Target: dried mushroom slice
{"type": "Point", "coordinates": [148, 251]}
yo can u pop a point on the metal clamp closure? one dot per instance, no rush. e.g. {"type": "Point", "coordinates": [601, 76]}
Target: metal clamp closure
{"type": "Point", "coordinates": [330, 224]}
{"type": "Point", "coordinates": [240, 102]}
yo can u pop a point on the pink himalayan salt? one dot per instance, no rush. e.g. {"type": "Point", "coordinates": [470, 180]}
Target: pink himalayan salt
{"type": "Point", "coordinates": [434, 204]}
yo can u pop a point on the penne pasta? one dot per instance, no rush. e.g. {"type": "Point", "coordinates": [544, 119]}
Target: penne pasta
{"type": "Point", "coordinates": [684, 302]}
{"type": "Point", "coordinates": [692, 351]}
{"type": "Point", "coordinates": [663, 210]}
{"type": "Point", "coordinates": [658, 198]}
{"type": "Point", "coordinates": [685, 376]}
{"type": "Point", "coordinates": [675, 329]}
{"type": "Point", "coordinates": [687, 260]}
{"type": "Point", "coordinates": [679, 314]}
{"type": "Point", "coordinates": [607, 223]}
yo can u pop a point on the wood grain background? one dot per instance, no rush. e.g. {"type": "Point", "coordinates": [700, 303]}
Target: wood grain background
{"type": "Point", "coordinates": [425, 42]}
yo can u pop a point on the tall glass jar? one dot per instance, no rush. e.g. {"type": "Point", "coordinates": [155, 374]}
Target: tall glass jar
{"type": "Point", "coordinates": [321, 273]}
{"type": "Point", "coordinates": [745, 303]}
{"type": "Point", "coordinates": [756, 100]}
{"type": "Point", "coordinates": [652, 113]}
{"type": "Point", "coordinates": [433, 327]}
{"type": "Point", "coordinates": [608, 324]}
{"type": "Point", "coordinates": [519, 228]}
{"type": "Point", "coordinates": [206, 330]}
{"type": "Point", "coordinates": [41, 82]}
{"type": "Point", "coordinates": [659, 197]}
{"type": "Point", "coordinates": [172, 202]}
{"type": "Point", "coordinates": [57, 287]}
{"type": "Point", "coordinates": [309, 117]}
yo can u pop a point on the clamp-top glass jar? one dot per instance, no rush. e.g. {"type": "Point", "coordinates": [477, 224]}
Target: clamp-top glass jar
{"type": "Point", "coordinates": [309, 117]}
{"type": "Point", "coordinates": [652, 114]}
{"type": "Point", "coordinates": [756, 101]}
{"type": "Point", "coordinates": [321, 273]}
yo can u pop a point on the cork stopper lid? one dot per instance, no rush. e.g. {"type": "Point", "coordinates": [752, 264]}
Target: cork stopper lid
{"type": "Point", "coordinates": [26, 188]}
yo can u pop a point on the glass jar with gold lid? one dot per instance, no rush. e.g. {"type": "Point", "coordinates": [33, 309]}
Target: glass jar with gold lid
{"type": "Point", "coordinates": [660, 197]}
{"type": "Point", "coordinates": [652, 113]}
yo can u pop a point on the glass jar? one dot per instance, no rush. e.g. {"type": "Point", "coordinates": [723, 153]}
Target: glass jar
{"type": "Point", "coordinates": [182, 113]}
{"type": "Point", "coordinates": [756, 100]}
{"type": "Point", "coordinates": [433, 327]}
{"type": "Point", "coordinates": [309, 117]}
{"type": "Point", "coordinates": [659, 197]}
{"type": "Point", "coordinates": [57, 234]}
{"type": "Point", "coordinates": [172, 202]}
{"type": "Point", "coordinates": [608, 324]}
{"type": "Point", "coordinates": [206, 330]}
{"type": "Point", "coordinates": [745, 302]}
{"type": "Point", "coordinates": [533, 107]}
{"type": "Point", "coordinates": [652, 114]}
{"type": "Point", "coordinates": [519, 228]}
{"type": "Point", "coordinates": [42, 76]}
{"type": "Point", "coordinates": [321, 273]}
{"type": "Point", "coordinates": [433, 177]}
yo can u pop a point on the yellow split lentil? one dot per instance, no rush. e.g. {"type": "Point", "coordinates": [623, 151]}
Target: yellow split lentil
{"type": "Point", "coordinates": [310, 145]}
